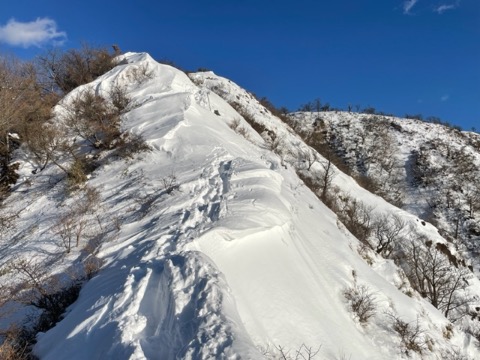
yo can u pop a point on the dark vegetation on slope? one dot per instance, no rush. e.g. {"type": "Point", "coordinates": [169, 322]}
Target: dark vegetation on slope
{"type": "Point", "coordinates": [317, 106]}
{"type": "Point", "coordinates": [76, 142]}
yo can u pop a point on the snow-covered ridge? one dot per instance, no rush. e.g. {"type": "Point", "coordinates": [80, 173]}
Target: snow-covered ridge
{"type": "Point", "coordinates": [240, 260]}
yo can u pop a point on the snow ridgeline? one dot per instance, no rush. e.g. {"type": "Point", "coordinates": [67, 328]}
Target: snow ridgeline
{"type": "Point", "coordinates": [240, 260]}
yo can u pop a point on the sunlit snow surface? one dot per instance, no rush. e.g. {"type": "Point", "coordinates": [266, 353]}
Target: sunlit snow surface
{"type": "Point", "coordinates": [240, 259]}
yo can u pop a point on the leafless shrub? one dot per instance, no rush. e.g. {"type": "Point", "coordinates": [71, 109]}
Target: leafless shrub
{"type": "Point", "coordinates": [169, 183]}
{"type": "Point", "coordinates": [361, 302]}
{"type": "Point", "coordinates": [248, 117]}
{"type": "Point", "coordinates": [412, 335]}
{"type": "Point", "coordinates": [77, 172]}
{"type": "Point", "coordinates": [15, 345]}
{"type": "Point", "coordinates": [91, 266]}
{"type": "Point", "coordinates": [45, 143]}
{"type": "Point", "coordinates": [304, 352]}
{"type": "Point", "coordinates": [71, 226]}
{"type": "Point", "coordinates": [236, 125]}
{"type": "Point", "coordinates": [357, 218]}
{"type": "Point", "coordinates": [275, 143]}
{"type": "Point", "coordinates": [120, 99]}
{"type": "Point", "coordinates": [454, 354]}
{"type": "Point", "coordinates": [90, 117]}
{"type": "Point", "coordinates": [473, 328]}
{"type": "Point", "coordinates": [130, 144]}
{"type": "Point", "coordinates": [37, 288]}
{"type": "Point", "coordinates": [243, 132]}
{"type": "Point", "coordinates": [310, 180]}
{"type": "Point", "coordinates": [47, 293]}
{"type": "Point", "coordinates": [368, 182]}
{"type": "Point", "coordinates": [7, 222]}
{"type": "Point", "coordinates": [343, 356]}
{"type": "Point", "coordinates": [142, 73]}
{"type": "Point", "coordinates": [70, 230]}
{"type": "Point", "coordinates": [326, 179]}
{"type": "Point", "coordinates": [448, 331]}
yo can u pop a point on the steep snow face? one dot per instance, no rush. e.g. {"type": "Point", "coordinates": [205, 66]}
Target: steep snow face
{"type": "Point", "coordinates": [221, 250]}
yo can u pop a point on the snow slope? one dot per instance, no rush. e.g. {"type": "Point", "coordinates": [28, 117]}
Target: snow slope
{"type": "Point", "coordinates": [240, 260]}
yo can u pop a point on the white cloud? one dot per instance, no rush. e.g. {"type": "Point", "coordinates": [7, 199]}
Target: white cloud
{"type": "Point", "coordinates": [445, 97]}
{"type": "Point", "coordinates": [445, 7]}
{"type": "Point", "coordinates": [35, 33]}
{"type": "Point", "coordinates": [408, 5]}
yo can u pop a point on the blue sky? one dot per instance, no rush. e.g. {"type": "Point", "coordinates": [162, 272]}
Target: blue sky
{"type": "Point", "coordinates": [414, 56]}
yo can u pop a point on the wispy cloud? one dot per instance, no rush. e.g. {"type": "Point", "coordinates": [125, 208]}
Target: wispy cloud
{"type": "Point", "coordinates": [445, 7]}
{"type": "Point", "coordinates": [408, 5]}
{"type": "Point", "coordinates": [35, 33]}
{"type": "Point", "coordinates": [445, 97]}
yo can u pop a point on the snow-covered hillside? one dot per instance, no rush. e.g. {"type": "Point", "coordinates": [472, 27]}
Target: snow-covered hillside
{"type": "Point", "coordinates": [211, 245]}
{"type": "Point", "coordinates": [430, 170]}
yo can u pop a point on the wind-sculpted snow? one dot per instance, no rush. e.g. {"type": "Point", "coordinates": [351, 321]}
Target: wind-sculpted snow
{"type": "Point", "coordinates": [160, 308]}
{"type": "Point", "coordinates": [238, 259]}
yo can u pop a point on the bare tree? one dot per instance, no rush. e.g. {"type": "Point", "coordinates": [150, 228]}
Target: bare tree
{"type": "Point", "coordinates": [326, 177]}
{"type": "Point", "coordinates": [64, 71]}
{"type": "Point", "coordinates": [432, 275]}
{"type": "Point", "coordinates": [71, 226]}
{"type": "Point", "coordinates": [471, 192]}
{"type": "Point", "coordinates": [19, 97]}
{"type": "Point", "coordinates": [387, 230]}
